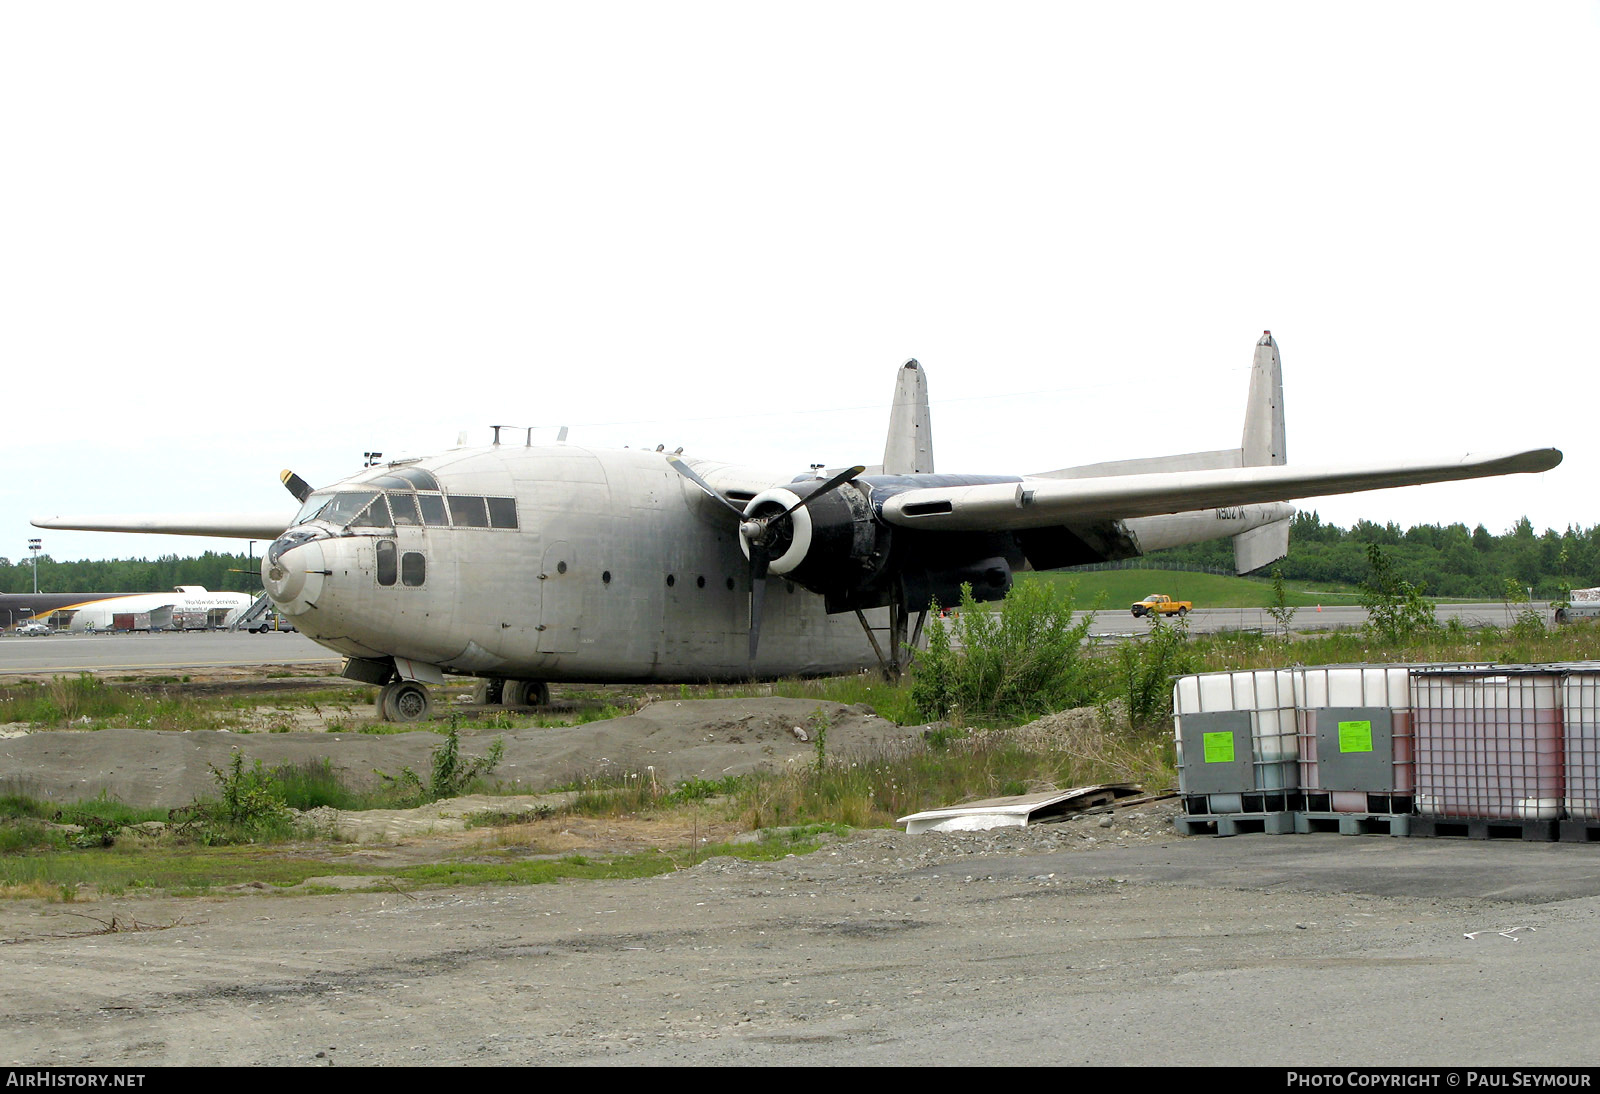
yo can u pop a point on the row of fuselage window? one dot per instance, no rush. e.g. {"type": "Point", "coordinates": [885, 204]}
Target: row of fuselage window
{"type": "Point", "coordinates": [410, 568]}
{"type": "Point", "coordinates": [465, 511]}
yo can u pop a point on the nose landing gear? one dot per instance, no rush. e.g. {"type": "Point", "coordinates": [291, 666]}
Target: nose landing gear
{"type": "Point", "coordinates": [404, 701]}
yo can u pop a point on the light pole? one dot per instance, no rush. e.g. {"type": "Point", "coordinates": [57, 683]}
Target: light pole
{"type": "Point", "coordinates": [34, 546]}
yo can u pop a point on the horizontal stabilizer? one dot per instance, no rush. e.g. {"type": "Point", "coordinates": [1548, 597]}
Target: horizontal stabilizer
{"type": "Point", "coordinates": [221, 525]}
{"type": "Point", "coordinates": [1042, 503]}
{"type": "Point", "coordinates": [1261, 546]}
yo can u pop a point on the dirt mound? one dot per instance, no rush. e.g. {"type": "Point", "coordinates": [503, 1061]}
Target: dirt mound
{"type": "Point", "coordinates": [673, 739]}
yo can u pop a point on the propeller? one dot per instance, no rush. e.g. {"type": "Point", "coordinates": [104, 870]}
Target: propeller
{"type": "Point", "coordinates": [761, 532]}
{"type": "Point", "coordinates": [300, 488]}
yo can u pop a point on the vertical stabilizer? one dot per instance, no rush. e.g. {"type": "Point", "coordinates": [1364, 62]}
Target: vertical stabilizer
{"type": "Point", "coordinates": [1262, 446]}
{"type": "Point", "coordinates": [1263, 443]}
{"type": "Point", "coordinates": [909, 449]}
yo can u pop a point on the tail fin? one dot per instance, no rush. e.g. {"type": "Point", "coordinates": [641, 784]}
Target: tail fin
{"type": "Point", "coordinates": [1262, 445]}
{"type": "Point", "coordinates": [1263, 441]}
{"type": "Point", "coordinates": [909, 448]}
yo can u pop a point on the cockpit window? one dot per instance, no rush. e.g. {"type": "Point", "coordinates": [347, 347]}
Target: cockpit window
{"type": "Point", "coordinates": [433, 514]}
{"type": "Point", "coordinates": [313, 505]}
{"type": "Point", "coordinates": [404, 508]}
{"type": "Point", "coordinates": [344, 508]}
{"type": "Point", "coordinates": [375, 515]}
{"type": "Point", "coordinates": [401, 507]}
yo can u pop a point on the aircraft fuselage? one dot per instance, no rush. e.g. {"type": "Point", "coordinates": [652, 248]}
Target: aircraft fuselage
{"type": "Point", "coordinates": [614, 571]}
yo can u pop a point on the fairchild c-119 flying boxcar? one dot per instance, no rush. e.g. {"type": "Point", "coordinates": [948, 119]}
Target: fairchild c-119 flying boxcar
{"type": "Point", "coordinates": [526, 565]}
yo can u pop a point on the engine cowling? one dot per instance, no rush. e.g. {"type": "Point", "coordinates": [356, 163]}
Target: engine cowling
{"type": "Point", "coordinates": [833, 544]}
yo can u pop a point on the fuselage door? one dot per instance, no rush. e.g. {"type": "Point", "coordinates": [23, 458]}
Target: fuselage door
{"type": "Point", "coordinates": [561, 601]}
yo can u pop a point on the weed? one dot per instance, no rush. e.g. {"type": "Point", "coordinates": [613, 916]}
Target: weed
{"type": "Point", "coordinates": [820, 722]}
{"type": "Point", "coordinates": [695, 790]}
{"type": "Point", "coordinates": [1281, 611]}
{"type": "Point", "coordinates": [504, 818]}
{"type": "Point", "coordinates": [1142, 681]}
{"type": "Point", "coordinates": [1397, 612]}
{"type": "Point", "coordinates": [250, 808]}
{"type": "Point", "coordinates": [450, 775]}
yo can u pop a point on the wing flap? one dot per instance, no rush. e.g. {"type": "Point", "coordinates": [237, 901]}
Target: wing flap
{"type": "Point", "coordinates": [221, 525]}
{"type": "Point", "coordinates": [1040, 503]}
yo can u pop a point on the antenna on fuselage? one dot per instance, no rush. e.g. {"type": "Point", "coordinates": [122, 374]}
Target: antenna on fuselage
{"type": "Point", "coordinates": [527, 433]}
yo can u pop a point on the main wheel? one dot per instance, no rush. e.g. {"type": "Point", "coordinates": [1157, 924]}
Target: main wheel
{"type": "Point", "coordinates": [526, 693]}
{"type": "Point", "coordinates": [488, 691]}
{"type": "Point", "coordinates": [405, 701]}
{"type": "Point", "coordinates": [1182, 612]}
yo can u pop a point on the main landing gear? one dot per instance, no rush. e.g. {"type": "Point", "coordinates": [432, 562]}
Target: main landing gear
{"type": "Point", "coordinates": [409, 701]}
{"type": "Point", "coordinates": [512, 693]}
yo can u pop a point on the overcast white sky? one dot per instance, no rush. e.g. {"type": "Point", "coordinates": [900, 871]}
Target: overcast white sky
{"type": "Point", "coordinates": [239, 237]}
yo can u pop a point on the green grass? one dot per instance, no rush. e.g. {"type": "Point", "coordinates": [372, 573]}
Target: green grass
{"type": "Point", "coordinates": [180, 869]}
{"type": "Point", "coordinates": [204, 870]}
{"type": "Point", "coordinates": [1121, 588]}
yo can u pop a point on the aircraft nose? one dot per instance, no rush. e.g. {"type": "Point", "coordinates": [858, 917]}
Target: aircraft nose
{"type": "Point", "coordinates": [293, 568]}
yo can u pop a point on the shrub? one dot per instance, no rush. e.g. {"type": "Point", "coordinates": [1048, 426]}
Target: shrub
{"type": "Point", "coordinates": [1397, 612]}
{"type": "Point", "coordinates": [1143, 672]}
{"type": "Point", "coordinates": [1015, 663]}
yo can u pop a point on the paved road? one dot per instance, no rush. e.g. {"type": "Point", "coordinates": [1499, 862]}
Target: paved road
{"type": "Point", "coordinates": [1327, 617]}
{"type": "Point", "coordinates": [70, 653]}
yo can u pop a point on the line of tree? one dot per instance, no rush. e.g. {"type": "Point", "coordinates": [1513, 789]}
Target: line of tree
{"type": "Point", "coordinates": [1441, 560]}
{"type": "Point", "coordinates": [233, 573]}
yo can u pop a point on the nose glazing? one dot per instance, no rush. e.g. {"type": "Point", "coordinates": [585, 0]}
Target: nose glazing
{"type": "Point", "coordinates": [288, 564]}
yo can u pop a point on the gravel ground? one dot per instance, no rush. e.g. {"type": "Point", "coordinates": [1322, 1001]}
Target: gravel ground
{"type": "Point", "coordinates": [1106, 939]}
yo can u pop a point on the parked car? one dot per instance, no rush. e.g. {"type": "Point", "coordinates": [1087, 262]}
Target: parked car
{"type": "Point", "coordinates": [33, 629]}
{"type": "Point", "coordinates": [262, 626]}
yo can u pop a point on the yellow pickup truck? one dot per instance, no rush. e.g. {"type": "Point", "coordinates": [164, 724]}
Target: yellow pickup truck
{"type": "Point", "coordinates": [1156, 604]}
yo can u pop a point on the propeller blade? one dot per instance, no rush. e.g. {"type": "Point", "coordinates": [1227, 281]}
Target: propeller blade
{"type": "Point", "coordinates": [760, 559]}
{"type": "Point", "coordinates": [684, 470]}
{"type": "Point", "coordinates": [832, 484]}
{"type": "Point", "coordinates": [297, 486]}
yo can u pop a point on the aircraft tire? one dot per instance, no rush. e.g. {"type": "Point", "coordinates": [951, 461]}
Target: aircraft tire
{"type": "Point", "coordinates": [488, 691]}
{"type": "Point", "coordinates": [405, 701]}
{"type": "Point", "coordinates": [526, 693]}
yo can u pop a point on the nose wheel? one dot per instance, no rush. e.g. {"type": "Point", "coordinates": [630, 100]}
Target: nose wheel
{"type": "Point", "coordinates": [404, 701]}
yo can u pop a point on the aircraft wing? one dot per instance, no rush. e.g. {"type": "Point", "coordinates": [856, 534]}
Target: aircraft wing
{"type": "Point", "coordinates": [1044, 502]}
{"type": "Point", "coordinates": [223, 525]}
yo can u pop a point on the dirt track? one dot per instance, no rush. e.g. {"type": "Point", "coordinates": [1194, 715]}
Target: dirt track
{"type": "Point", "coordinates": [672, 739]}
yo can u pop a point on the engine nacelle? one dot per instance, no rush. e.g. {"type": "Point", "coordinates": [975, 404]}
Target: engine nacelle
{"type": "Point", "coordinates": [831, 545]}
